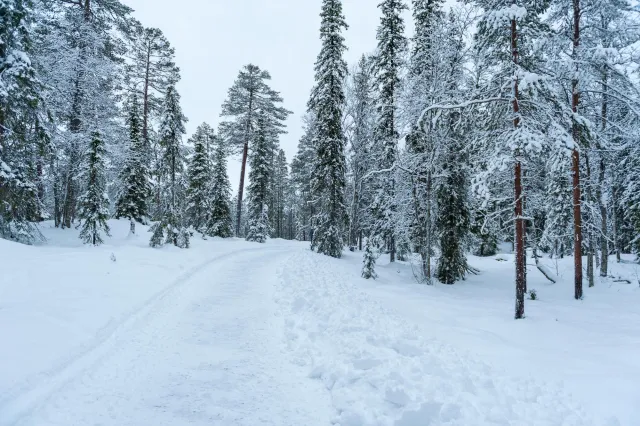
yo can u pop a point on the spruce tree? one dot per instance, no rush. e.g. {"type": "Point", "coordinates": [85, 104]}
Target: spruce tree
{"type": "Point", "coordinates": [392, 46]}
{"type": "Point", "coordinates": [280, 189]}
{"type": "Point", "coordinates": [199, 176]}
{"type": "Point", "coordinates": [20, 105]}
{"type": "Point", "coordinates": [369, 260]}
{"type": "Point", "coordinates": [94, 203]}
{"type": "Point", "coordinates": [135, 191]}
{"type": "Point", "coordinates": [171, 228]}
{"type": "Point", "coordinates": [220, 223]}
{"type": "Point", "coordinates": [259, 178]}
{"type": "Point", "coordinates": [453, 212]}
{"type": "Point", "coordinates": [327, 102]}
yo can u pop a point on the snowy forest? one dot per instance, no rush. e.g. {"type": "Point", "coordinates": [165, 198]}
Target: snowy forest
{"type": "Point", "coordinates": [496, 122]}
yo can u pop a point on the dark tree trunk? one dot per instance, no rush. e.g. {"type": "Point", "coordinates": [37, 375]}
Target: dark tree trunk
{"type": "Point", "coordinates": [521, 265]}
{"type": "Point", "coordinates": [245, 153]}
{"type": "Point", "coordinates": [577, 210]}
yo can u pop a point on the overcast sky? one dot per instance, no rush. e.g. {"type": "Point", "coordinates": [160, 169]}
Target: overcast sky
{"type": "Point", "coordinates": [215, 38]}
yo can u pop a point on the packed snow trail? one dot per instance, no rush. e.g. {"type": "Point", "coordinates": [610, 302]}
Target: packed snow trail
{"type": "Point", "coordinates": [207, 350]}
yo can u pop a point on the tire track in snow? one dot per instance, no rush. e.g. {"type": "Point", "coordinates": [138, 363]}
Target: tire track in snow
{"type": "Point", "coordinates": [36, 390]}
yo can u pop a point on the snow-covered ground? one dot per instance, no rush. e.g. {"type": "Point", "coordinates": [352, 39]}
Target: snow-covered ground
{"type": "Point", "coordinates": [234, 333]}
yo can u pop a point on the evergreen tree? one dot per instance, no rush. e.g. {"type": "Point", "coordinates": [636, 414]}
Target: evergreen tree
{"type": "Point", "coordinates": [135, 190]}
{"type": "Point", "coordinates": [259, 178]}
{"type": "Point", "coordinates": [249, 98]}
{"type": "Point", "coordinates": [301, 169]}
{"type": "Point", "coordinates": [369, 260]}
{"type": "Point", "coordinates": [453, 212]}
{"type": "Point", "coordinates": [94, 203]}
{"type": "Point", "coordinates": [327, 102]}
{"type": "Point", "coordinates": [150, 71]}
{"type": "Point", "coordinates": [280, 187]}
{"type": "Point", "coordinates": [171, 228]}
{"type": "Point", "coordinates": [392, 46]}
{"type": "Point", "coordinates": [20, 101]}
{"type": "Point", "coordinates": [220, 222]}
{"type": "Point", "coordinates": [200, 176]}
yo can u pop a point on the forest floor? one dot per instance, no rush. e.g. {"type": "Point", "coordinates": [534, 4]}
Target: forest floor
{"type": "Point", "coordinates": [234, 333]}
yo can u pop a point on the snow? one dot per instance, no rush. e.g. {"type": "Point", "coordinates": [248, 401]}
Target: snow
{"type": "Point", "coordinates": [237, 333]}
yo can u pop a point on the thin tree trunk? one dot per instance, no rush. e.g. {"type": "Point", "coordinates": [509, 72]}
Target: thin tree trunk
{"type": "Point", "coordinates": [428, 218]}
{"type": "Point", "coordinates": [577, 211]}
{"type": "Point", "coordinates": [616, 222]}
{"type": "Point", "coordinates": [604, 240]}
{"type": "Point", "coordinates": [245, 153]}
{"type": "Point", "coordinates": [519, 219]}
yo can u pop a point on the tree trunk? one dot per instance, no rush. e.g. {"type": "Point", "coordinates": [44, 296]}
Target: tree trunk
{"type": "Point", "coordinates": [616, 220]}
{"type": "Point", "coordinates": [145, 102]}
{"type": "Point", "coordinates": [245, 153]}
{"type": "Point", "coordinates": [519, 219]}
{"type": "Point", "coordinates": [604, 240]}
{"type": "Point", "coordinates": [132, 227]}
{"type": "Point", "coordinates": [577, 211]}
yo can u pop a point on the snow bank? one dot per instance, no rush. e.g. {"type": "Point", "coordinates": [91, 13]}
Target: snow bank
{"type": "Point", "coordinates": [383, 370]}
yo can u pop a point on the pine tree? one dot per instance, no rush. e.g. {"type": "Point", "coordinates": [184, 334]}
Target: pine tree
{"type": "Point", "coordinates": [151, 72]}
{"type": "Point", "coordinates": [135, 189]}
{"type": "Point", "coordinates": [249, 98]}
{"type": "Point", "coordinates": [392, 46]}
{"type": "Point", "coordinates": [200, 176]}
{"type": "Point", "coordinates": [94, 203]}
{"type": "Point", "coordinates": [259, 178]}
{"type": "Point", "coordinates": [327, 102]}
{"type": "Point", "coordinates": [220, 222]}
{"type": "Point", "coordinates": [171, 228]}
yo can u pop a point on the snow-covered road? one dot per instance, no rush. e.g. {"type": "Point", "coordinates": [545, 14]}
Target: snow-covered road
{"type": "Point", "coordinates": [207, 350]}
{"type": "Point", "coordinates": [239, 334]}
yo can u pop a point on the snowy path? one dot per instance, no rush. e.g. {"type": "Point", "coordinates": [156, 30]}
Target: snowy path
{"type": "Point", "coordinates": [270, 335]}
{"type": "Point", "coordinates": [207, 350]}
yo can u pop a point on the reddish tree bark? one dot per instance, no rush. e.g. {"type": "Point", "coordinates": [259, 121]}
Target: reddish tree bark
{"type": "Point", "coordinates": [577, 211]}
{"type": "Point", "coordinates": [521, 283]}
{"type": "Point", "coordinates": [245, 152]}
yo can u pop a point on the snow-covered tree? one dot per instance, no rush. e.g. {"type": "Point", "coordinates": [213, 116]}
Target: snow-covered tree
{"type": "Point", "coordinates": [93, 204]}
{"type": "Point", "coordinates": [392, 46]}
{"type": "Point", "coordinates": [171, 228]}
{"type": "Point", "coordinates": [200, 178]}
{"type": "Point", "coordinates": [259, 178]}
{"type": "Point", "coordinates": [135, 188]}
{"type": "Point", "coordinates": [220, 223]}
{"type": "Point", "coordinates": [361, 116]}
{"type": "Point", "coordinates": [327, 103]}
{"type": "Point", "coordinates": [21, 139]}
{"type": "Point", "coordinates": [249, 98]}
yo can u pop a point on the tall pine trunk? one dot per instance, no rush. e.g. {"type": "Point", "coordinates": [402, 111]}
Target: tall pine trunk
{"type": "Point", "coordinates": [577, 211]}
{"type": "Point", "coordinates": [245, 154]}
{"type": "Point", "coordinates": [519, 213]}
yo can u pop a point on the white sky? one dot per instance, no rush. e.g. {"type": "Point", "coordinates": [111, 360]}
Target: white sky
{"type": "Point", "coordinates": [215, 38]}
